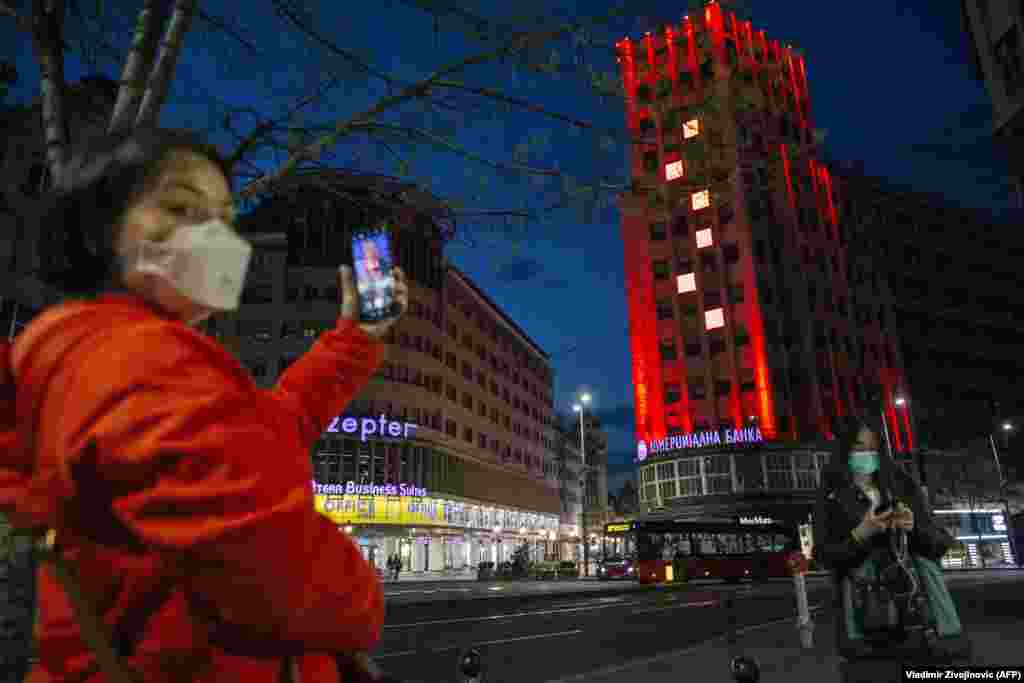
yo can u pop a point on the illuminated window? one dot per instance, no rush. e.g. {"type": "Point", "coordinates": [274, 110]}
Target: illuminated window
{"type": "Point", "coordinates": [674, 170]}
{"type": "Point", "coordinates": [714, 318]}
{"type": "Point", "coordinates": [701, 200]}
{"type": "Point", "coordinates": [691, 129]}
{"type": "Point", "coordinates": [704, 238]}
{"type": "Point", "coordinates": [687, 283]}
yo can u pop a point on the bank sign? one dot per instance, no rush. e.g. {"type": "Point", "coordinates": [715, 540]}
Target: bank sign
{"type": "Point", "coordinates": [716, 437]}
{"type": "Point", "coordinates": [372, 426]}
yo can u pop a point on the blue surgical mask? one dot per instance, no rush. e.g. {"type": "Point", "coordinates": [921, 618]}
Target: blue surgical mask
{"type": "Point", "coordinates": [864, 462]}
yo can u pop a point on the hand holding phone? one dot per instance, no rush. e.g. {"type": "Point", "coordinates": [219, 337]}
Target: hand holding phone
{"type": "Point", "coordinates": [375, 281]}
{"type": "Point", "coordinates": [350, 301]}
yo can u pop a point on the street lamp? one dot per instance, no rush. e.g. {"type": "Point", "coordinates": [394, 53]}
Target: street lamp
{"type": "Point", "coordinates": [1007, 427]}
{"type": "Point", "coordinates": [579, 408]}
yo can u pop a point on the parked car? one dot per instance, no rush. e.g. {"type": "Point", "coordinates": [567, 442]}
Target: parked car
{"type": "Point", "coordinates": [616, 568]}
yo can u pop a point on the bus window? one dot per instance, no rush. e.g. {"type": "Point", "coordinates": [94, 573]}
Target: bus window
{"type": "Point", "coordinates": [649, 545]}
{"type": "Point", "coordinates": [704, 544]}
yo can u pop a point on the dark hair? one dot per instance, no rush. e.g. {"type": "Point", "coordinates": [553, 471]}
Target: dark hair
{"type": "Point", "coordinates": [837, 474]}
{"type": "Point", "coordinates": [81, 214]}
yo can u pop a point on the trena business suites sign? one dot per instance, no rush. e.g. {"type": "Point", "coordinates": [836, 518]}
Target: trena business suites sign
{"type": "Point", "coordinates": [715, 437]}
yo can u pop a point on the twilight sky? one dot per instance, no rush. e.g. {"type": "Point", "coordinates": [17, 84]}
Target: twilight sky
{"type": "Point", "coordinates": [890, 86]}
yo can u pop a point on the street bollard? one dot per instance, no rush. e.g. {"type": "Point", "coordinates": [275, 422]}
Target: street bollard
{"type": "Point", "coordinates": [797, 565]}
{"type": "Point", "coordinates": [471, 667]}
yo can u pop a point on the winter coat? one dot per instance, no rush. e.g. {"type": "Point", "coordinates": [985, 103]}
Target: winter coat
{"type": "Point", "coordinates": [840, 508]}
{"type": "Point", "coordinates": [181, 492]}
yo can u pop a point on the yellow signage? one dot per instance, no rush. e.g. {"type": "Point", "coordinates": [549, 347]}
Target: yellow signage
{"type": "Point", "coordinates": [385, 510]}
{"type": "Point", "coordinates": [616, 528]}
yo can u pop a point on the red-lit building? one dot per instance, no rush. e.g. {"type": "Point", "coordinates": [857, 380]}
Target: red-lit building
{"type": "Point", "coordinates": [742, 320]}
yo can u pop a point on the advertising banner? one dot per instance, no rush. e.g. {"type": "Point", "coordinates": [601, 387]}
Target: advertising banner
{"type": "Point", "coordinates": [385, 510]}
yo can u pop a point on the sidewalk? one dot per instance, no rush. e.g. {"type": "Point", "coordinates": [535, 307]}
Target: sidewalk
{"type": "Point", "coordinates": [776, 647]}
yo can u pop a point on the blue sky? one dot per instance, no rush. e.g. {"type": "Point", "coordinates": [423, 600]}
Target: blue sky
{"type": "Point", "coordinates": [890, 86]}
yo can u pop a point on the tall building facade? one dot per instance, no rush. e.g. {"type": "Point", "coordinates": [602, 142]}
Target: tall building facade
{"type": "Point", "coordinates": [744, 335]}
{"type": "Point", "coordinates": [445, 458]}
{"type": "Point", "coordinates": [956, 304]}
{"type": "Point", "coordinates": [995, 31]}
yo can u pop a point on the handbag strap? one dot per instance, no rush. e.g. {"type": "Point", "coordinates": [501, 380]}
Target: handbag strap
{"type": "Point", "coordinates": [93, 631]}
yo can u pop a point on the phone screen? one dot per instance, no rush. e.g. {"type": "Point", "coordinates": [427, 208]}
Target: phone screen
{"type": "Point", "coordinates": [375, 282]}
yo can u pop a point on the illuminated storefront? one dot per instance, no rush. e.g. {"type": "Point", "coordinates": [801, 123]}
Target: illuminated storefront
{"type": "Point", "coordinates": [395, 492]}
{"type": "Point", "coordinates": [981, 538]}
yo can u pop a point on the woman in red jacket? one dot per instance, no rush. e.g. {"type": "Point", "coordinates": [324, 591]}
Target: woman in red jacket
{"type": "Point", "coordinates": [178, 489]}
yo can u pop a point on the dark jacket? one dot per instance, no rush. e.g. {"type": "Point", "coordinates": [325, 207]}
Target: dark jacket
{"type": "Point", "coordinates": [840, 508]}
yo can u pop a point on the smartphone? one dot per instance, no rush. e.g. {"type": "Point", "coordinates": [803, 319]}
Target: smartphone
{"type": "Point", "coordinates": [375, 280]}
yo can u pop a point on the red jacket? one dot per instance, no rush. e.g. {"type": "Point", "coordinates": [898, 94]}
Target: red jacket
{"type": "Point", "coordinates": [181, 492]}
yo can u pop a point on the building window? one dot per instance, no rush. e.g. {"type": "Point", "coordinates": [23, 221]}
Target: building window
{"type": "Point", "coordinates": [664, 310]}
{"type": "Point", "coordinates": [661, 270]}
{"type": "Point", "coordinates": [668, 350]}
{"type": "Point", "coordinates": [672, 394]}
{"type": "Point", "coordinates": [659, 231]}
{"type": "Point", "coordinates": [731, 253]}
{"type": "Point", "coordinates": [467, 434]}
{"type": "Point", "coordinates": [700, 200]}
{"type": "Point", "coordinates": [718, 474]}
{"type": "Point", "coordinates": [714, 318]}
{"type": "Point", "coordinates": [451, 428]}
{"type": "Point", "coordinates": [704, 238]}
{"type": "Point", "coordinates": [674, 170]}
{"type": "Point", "coordinates": [691, 129]}
{"type": "Point", "coordinates": [686, 283]}
{"type": "Point", "coordinates": [690, 483]}
{"type": "Point", "coordinates": [805, 471]}
{"type": "Point", "coordinates": [779, 471]}
{"type": "Point", "coordinates": [681, 226]}
{"type": "Point", "coordinates": [698, 391]}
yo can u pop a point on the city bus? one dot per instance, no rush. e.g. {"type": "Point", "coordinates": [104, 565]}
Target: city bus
{"type": "Point", "coordinates": [675, 550]}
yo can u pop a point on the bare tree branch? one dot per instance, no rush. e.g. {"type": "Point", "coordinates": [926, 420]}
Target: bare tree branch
{"type": "Point", "coordinates": [139, 64]}
{"type": "Point", "coordinates": [163, 69]}
{"type": "Point", "coordinates": [47, 30]}
{"type": "Point", "coordinates": [515, 101]}
{"type": "Point", "coordinates": [228, 30]}
{"type": "Point", "coordinates": [414, 91]}
{"type": "Point", "coordinates": [458, 149]}
{"type": "Point", "coordinates": [265, 127]}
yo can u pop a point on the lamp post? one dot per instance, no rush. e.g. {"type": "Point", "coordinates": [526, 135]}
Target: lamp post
{"type": "Point", "coordinates": [1007, 428]}
{"type": "Point", "coordinates": [580, 408]}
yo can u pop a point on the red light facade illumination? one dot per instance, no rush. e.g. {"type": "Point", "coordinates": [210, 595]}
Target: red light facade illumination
{"type": "Point", "coordinates": [729, 328]}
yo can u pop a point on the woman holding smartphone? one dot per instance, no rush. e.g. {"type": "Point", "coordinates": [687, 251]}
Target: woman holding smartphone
{"type": "Point", "coordinates": [177, 489]}
{"type": "Point", "coordinates": [871, 524]}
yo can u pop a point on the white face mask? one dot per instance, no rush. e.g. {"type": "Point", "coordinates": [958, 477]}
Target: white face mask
{"type": "Point", "coordinates": [206, 263]}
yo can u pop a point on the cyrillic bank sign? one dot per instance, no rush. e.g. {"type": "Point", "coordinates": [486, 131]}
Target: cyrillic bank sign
{"type": "Point", "coordinates": [716, 437]}
{"type": "Point", "coordinates": [372, 426]}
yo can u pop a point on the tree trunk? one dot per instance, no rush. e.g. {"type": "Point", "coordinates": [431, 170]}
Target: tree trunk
{"type": "Point", "coordinates": [47, 25]}
{"type": "Point", "coordinates": [163, 70]}
{"type": "Point", "coordinates": [139, 63]}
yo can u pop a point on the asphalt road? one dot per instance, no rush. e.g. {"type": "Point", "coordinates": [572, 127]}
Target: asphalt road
{"type": "Point", "coordinates": [542, 638]}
